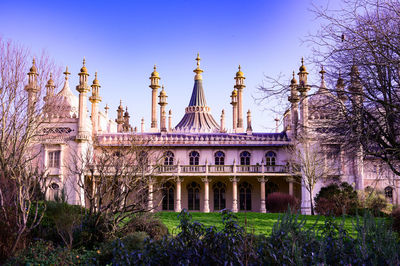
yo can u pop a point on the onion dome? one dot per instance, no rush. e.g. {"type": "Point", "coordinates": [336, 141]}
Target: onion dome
{"type": "Point", "coordinates": [302, 67]}
{"type": "Point", "coordinates": [234, 93]}
{"type": "Point", "coordinates": [50, 82]}
{"type": "Point", "coordinates": [96, 81]}
{"type": "Point", "coordinates": [33, 69]}
{"type": "Point", "coordinates": [162, 92]}
{"type": "Point", "coordinates": [67, 102]}
{"type": "Point", "coordinates": [84, 69]}
{"type": "Point", "coordinates": [155, 74]}
{"type": "Point", "coordinates": [239, 74]}
{"type": "Point", "coordinates": [293, 81]}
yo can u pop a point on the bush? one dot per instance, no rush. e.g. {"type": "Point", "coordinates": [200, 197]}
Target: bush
{"type": "Point", "coordinates": [396, 220]}
{"type": "Point", "coordinates": [146, 222]}
{"type": "Point", "coordinates": [336, 200]}
{"type": "Point", "coordinates": [279, 202]}
{"type": "Point", "coordinates": [373, 201]}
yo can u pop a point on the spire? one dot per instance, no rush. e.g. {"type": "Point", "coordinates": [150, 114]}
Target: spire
{"type": "Point", "coordinates": [106, 108]}
{"type": "Point", "coordinates": [198, 71]}
{"type": "Point", "coordinates": [323, 87]}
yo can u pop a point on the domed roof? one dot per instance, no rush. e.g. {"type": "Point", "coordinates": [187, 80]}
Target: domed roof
{"type": "Point", "coordinates": [293, 81]}
{"type": "Point", "coordinates": [239, 74]}
{"type": "Point", "coordinates": [96, 81]}
{"type": "Point", "coordinates": [50, 82]}
{"type": "Point", "coordinates": [155, 74]}
{"type": "Point", "coordinates": [84, 69]}
{"type": "Point", "coordinates": [67, 103]}
{"type": "Point", "coordinates": [302, 67]}
{"type": "Point", "coordinates": [33, 68]}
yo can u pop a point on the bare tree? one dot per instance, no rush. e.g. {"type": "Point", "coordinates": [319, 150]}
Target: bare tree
{"type": "Point", "coordinates": [119, 180]}
{"type": "Point", "coordinates": [22, 177]}
{"type": "Point", "coordinates": [308, 163]}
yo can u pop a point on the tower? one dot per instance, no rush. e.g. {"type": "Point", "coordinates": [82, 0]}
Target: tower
{"type": "Point", "coordinates": [239, 86]}
{"type": "Point", "coordinates": [303, 88]}
{"type": "Point", "coordinates": [154, 80]}
{"type": "Point", "coordinates": [32, 88]}
{"type": "Point", "coordinates": [120, 117]}
{"type": "Point", "coordinates": [340, 89]}
{"type": "Point", "coordinates": [83, 89]}
{"type": "Point", "coordinates": [294, 100]}
{"type": "Point", "coordinates": [163, 102]}
{"type": "Point", "coordinates": [95, 99]}
{"type": "Point", "coordinates": [249, 129]}
{"type": "Point", "coordinates": [234, 109]}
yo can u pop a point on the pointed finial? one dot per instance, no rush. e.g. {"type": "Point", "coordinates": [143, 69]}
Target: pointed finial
{"type": "Point", "coordinates": [51, 75]}
{"type": "Point", "coordinates": [170, 112]}
{"type": "Point", "coordinates": [33, 61]}
{"type": "Point", "coordinates": [322, 72]}
{"type": "Point", "coordinates": [198, 59]}
{"type": "Point", "coordinates": [239, 67]}
{"type": "Point", "coordinates": [302, 61]}
{"type": "Point", "coordinates": [66, 73]}
{"type": "Point", "coordinates": [84, 61]}
{"type": "Point", "coordinates": [106, 108]}
{"type": "Point", "coordinates": [155, 67]}
{"type": "Point", "coordinates": [293, 74]}
{"type": "Point", "coordinates": [198, 71]}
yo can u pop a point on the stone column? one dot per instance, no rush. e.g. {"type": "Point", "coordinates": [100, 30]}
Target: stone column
{"type": "Point", "coordinates": [150, 196]}
{"type": "Point", "coordinates": [178, 206]}
{"type": "Point", "coordinates": [290, 180]}
{"type": "Point", "coordinates": [262, 196]}
{"type": "Point", "coordinates": [206, 207]}
{"type": "Point", "coordinates": [234, 181]}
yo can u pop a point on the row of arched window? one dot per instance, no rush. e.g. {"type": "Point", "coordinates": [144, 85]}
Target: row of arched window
{"type": "Point", "coordinates": [219, 158]}
{"type": "Point", "coordinates": [219, 191]}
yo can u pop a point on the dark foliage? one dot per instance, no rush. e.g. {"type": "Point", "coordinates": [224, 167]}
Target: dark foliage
{"type": "Point", "coordinates": [396, 220]}
{"type": "Point", "coordinates": [336, 200]}
{"type": "Point", "coordinates": [280, 202]}
{"type": "Point", "coordinates": [146, 222]}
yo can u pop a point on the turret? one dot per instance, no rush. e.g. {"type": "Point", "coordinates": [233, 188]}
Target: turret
{"type": "Point", "coordinates": [303, 88]}
{"type": "Point", "coordinates": [83, 89]}
{"type": "Point", "coordinates": [234, 109]}
{"type": "Point", "coordinates": [222, 127]}
{"type": "Point", "coordinates": [170, 120]}
{"type": "Point", "coordinates": [340, 89]}
{"type": "Point", "coordinates": [32, 88]}
{"type": "Point", "coordinates": [48, 99]}
{"type": "Point", "coordinates": [239, 86]}
{"type": "Point", "coordinates": [294, 100]}
{"type": "Point", "coordinates": [95, 99]}
{"type": "Point", "coordinates": [154, 80]}
{"type": "Point", "coordinates": [126, 126]}
{"type": "Point", "coordinates": [120, 117]}
{"type": "Point", "coordinates": [249, 129]}
{"type": "Point", "coordinates": [163, 102]}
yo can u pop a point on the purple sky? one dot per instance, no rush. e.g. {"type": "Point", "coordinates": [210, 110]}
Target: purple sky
{"type": "Point", "coordinates": [122, 40]}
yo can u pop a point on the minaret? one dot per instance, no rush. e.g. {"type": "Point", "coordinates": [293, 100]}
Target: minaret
{"type": "Point", "coordinates": [126, 125]}
{"type": "Point", "coordinates": [95, 99]}
{"type": "Point", "coordinates": [142, 125]}
{"type": "Point", "coordinates": [234, 109]}
{"type": "Point", "coordinates": [163, 102]}
{"type": "Point", "coordinates": [120, 117]}
{"type": "Point", "coordinates": [83, 89]}
{"type": "Point", "coordinates": [49, 95]}
{"type": "Point", "coordinates": [294, 100]}
{"type": "Point", "coordinates": [106, 108]}
{"type": "Point", "coordinates": [170, 120]}
{"type": "Point", "coordinates": [239, 86]}
{"type": "Point", "coordinates": [303, 88]}
{"type": "Point", "coordinates": [154, 79]}
{"type": "Point", "coordinates": [32, 88]}
{"type": "Point", "coordinates": [276, 125]}
{"type": "Point", "coordinates": [249, 129]}
{"type": "Point", "coordinates": [222, 127]}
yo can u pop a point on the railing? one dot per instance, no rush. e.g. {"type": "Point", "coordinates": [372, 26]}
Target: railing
{"type": "Point", "coordinates": [222, 168]}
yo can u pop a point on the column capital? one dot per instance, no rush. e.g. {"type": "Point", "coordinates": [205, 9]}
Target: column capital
{"type": "Point", "coordinates": [205, 179]}
{"type": "Point", "coordinates": [178, 179]}
{"type": "Point", "coordinates": [290, 179]}
{"type": "Point", "coordinates": [262, 179]}
{"type": "Point", "coordinates": [234, 179]}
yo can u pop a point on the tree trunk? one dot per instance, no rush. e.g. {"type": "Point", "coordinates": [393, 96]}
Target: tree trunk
{"type": "Point", "coordinates": [311, 203]}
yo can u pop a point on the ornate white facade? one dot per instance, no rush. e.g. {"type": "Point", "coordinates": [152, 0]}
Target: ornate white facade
{"type": "Point", "coordinates": [211, 167]}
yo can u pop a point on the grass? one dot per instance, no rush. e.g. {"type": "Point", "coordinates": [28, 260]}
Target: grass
{"type": "Point", "coordinates": [258, 223]}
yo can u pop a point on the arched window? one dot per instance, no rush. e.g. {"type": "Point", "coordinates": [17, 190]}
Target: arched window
{"type": "Point", "coordinates": [245, 196]}
{"type": "Point", "coordinates": [168, 196]}
{"type": "Point", "coordinates": [143, 158]}
{"type": "Point", "coordinates": [245, 158]}
{"type": "Point", "coordinates": [219, 189]}
{"type": "Point", "coordinates": [270, 158]}
{"type": "Point", "coordinates": [194, 158]}
{"type": "Point", "coordinates": [219, 158]}
{"type": "Point", "coordinates": [389, 193]}
{"type": "Point", "coordinates": [193, 196]}
{"type": "Point", "coordinates": [168, 158]}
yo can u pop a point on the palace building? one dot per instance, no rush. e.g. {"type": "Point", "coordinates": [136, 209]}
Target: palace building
{"type": "Point", "coordinates": [208, 166]}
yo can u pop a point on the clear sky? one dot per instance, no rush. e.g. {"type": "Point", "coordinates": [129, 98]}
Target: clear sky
{"type": "Point", "coordinates": [122, 40]}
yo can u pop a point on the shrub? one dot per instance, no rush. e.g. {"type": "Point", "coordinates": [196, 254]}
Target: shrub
{"type": "Point", "coordinates": [146, 222]}
{"type": "Point", "coordinates": [336, 200]}
{"type": "Point", "coordinates": [373, 201]}
{"type": "Point", "coordinates": [396, 220]}
{"type": "Point", "coordinates": [279, 202]}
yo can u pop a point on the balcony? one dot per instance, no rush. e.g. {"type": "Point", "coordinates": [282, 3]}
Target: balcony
{"type": "Point", "coordinates": [222, 169]}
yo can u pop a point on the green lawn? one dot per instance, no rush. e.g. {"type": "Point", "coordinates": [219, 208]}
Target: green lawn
{"type": "Point", "coordinates": [261, 223]}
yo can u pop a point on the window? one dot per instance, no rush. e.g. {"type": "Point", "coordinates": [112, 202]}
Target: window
{"type": "Point", "coordinates": [219, 158]}
{"type": "Point", "coordinates": [389, 193]}
{"type": "Point", "coordinates": [54, 159]}
{"type": "Point", "coordinates": [270, 187]}
{"type": "Point", "coordinates": [219, 189]}
{"type": "Point", "coordinates": [168, 158]}
{"type": "Point", "coordinates": [245, 196]}
{"type": "Point", "coordinates": [168, 196]}
{"type": "Point", "coordinates": [193, 196]}
{"type": "Point", "coordinates": [245, 158]}
{"type": "Point", "coordinates": [270, 158]}
{"type": "Point", "coordinates": [194, 158]}
{"type": "Point", "coordinates": [143, 158]}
